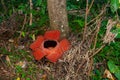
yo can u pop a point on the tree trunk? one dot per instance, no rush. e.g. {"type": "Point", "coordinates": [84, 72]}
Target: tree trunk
{"type": "Point", "coordinates": [58, 16]}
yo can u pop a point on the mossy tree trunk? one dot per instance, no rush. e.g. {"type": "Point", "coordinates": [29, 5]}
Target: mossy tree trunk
{"type": "Point", "coordinates": [58, 16]}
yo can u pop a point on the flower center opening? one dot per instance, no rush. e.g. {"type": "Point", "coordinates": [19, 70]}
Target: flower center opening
{"type": "Point", "coordinates": [50, 44]}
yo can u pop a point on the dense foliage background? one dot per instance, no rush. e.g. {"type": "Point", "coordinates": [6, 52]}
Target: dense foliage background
{"type": "Point", "coordinates": [108, 58]}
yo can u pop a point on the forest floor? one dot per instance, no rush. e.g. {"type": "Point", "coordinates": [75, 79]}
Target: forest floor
{"type": "Point", "coordinates": [17, 62]}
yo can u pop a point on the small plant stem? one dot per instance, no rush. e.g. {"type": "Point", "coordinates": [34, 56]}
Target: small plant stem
{"type": "Point", "coordinates": [97, 51]}
{"type": "Point", "coordinates": [24, 22]}
{"type": "Point", "coordinates": [31, 7]}
{"type": "Point", "coordinates": [86, 14]}
{"type": "Point", "coordinates": [97, 31]}
{"type": "Point", "coordinates": [90, 6]}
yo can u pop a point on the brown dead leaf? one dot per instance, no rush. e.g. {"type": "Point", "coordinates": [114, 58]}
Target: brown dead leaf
{"type": "Point", "coordinates": [108, 75]}
{"type": "Point", "coordinates": [118, 25]}
{"type": "Point", "coordinates": [11, 40]}
{"type": "Point", "coordinates": [44, 77]}
{"type": "Point", "coordinates": [5, 58]}
{"type": "Point", "coordinates": [8, 59]}
{"type": "Point", "coordinates": [109, 36]}
{"type": "Point", "coordinates": [23, 64]}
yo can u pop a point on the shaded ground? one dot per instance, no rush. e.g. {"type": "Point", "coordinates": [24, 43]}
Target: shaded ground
{"type": "Point", "coordinates": [16, 60]}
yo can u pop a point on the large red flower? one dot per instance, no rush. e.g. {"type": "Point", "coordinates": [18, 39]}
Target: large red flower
{"type": "Point", "coordinates": [49, 46]}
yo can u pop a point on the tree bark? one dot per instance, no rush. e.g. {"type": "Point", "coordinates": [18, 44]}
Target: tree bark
{"type": "Point", "coordinates": [58, 16]}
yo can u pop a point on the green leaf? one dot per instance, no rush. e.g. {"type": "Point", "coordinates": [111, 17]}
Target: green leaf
{"type": "Point", "coordinates": [80, 22]}
{"type": "Point", "coordinates": [43, 9]}
{"type": "Point", "coordinates": [23, 34]}
{"type": "Point", "coordinates": [23, 75]}
{"type": "Point", "coordinates": [38, 2]}
{"type": "Point", "coordinates": [118, 75]}
{"type": "Point", "coordinates": [117, 31]}
{"type": "Point", "coordinates": [28, 79]}
{"type": "Point", "coordinates": [118, 36]}
{"type": "Point", "coordinates": [33, 37]}
{"type": "Point", "coordinates": [112, 67]}
{"type": "Point", "coordinates": [18, 69]}
{"type": "Point", "coordinates": [114, 5]}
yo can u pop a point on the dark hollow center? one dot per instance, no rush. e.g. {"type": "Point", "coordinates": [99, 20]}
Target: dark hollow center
{"type": "Point", "coordinates": [50, 43]}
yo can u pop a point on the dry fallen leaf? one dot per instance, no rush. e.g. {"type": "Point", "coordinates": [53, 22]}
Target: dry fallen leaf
{"type": "Point", "coordinates": [8, 59]}
{"type": "Point", "coordinates": [5, 58]}
{"type": "Point", "coordinates": [44, 77]}
{"type": "Point", "coordinates": [118, 25]}
{"type": "Point", "coordinates": [18, 78]}
{"type": "Point", "coordinates": [109, 36]}
{"type": "Point", "coordinates": [23, 64]}
{"type": "Point", "coordinates": [11, 40]}
{"type": "Point", "coordinates": [108, 75]}
{"type": "Point", "coordinates": [21, 47]}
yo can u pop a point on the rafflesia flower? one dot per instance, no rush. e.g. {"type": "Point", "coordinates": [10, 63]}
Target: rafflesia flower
{"type": "Point", "coordinates": [49, 46]}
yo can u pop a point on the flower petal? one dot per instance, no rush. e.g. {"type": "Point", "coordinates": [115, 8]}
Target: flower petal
{"type": "Point", "coordinates": [56, 53]}
{"type": "Point", "coordinates": [53, 57]}
{"type": "Point", "coordinates": [37, 42]}
{"type": "Point", "coordinates": [53, 54]}
{"type": "Point", "coordinates": [52, 35]}
{"type": "Point", "coordinates": [38, 54]}
{"type": "Point", "coordinates": [64, 45]}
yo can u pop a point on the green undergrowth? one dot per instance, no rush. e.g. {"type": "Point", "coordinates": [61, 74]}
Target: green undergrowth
{"type": "Point", "coordinates": [109, 59]}
{"type": "Point", "coordinates": [22, 64]}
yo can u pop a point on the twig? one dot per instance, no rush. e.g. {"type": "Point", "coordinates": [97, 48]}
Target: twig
{"type": "Point", "coordinates": [97, 51]}
{"type": "Point", "coordinates": [104, 9]}
{"type": "Point", "coordinates": [86, 15]}
{"type": "Point", "coordinates": [31, 7]}
{"type": "Point", "coordinates": [97, 31]}
{"type": "Point", "coordinates": [90, 6]}
{"type": "Point", "coordinates": [77, 12]}
{"type": "Point", "coordinates": [24, 22]}
{"type": "Point", "coordinates": [80, 65]}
